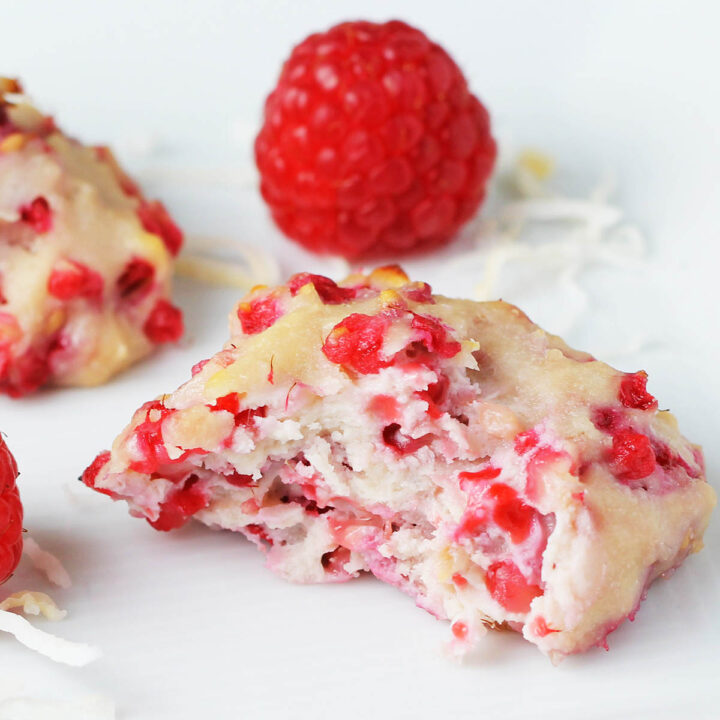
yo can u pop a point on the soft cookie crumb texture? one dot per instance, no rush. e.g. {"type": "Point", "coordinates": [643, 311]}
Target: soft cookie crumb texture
{"type": "Point", "coordinates": [451, 448]}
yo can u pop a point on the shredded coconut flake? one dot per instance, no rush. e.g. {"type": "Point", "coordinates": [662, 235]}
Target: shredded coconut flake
{"type": "Point", "coordinates": [33, 603]}
{"type": "Point", "coordinates": [57, 649]}
{"type": "Point", "coordinates": [48, 563]}
{"type": "Point", "coordinates": [253, 267]}
{"type": "Point", "coordinates": [551, 236]}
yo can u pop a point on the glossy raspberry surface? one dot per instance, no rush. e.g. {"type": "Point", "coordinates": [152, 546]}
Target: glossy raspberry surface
{"type": "Point", "coordinates": [11, 514]}
{"type": "Point", "coordinates": [372, 143]}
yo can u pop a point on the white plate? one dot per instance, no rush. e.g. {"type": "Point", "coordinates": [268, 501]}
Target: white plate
{"type": "Point", "coordinates": [191, 624]}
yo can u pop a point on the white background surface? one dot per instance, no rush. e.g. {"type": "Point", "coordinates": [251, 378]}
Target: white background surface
{"type": "Point", "coordinates": [191, 624]}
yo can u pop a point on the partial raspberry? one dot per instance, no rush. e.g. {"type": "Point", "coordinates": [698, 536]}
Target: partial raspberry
{"type": "Point", "coordinates": [11, 515]}
{"type": "Point", "coordinates": [393, 437]}
{"type": "Point", "coordinates": [632, 456]}
{"type": "Point", "coordinates": [73, 279]}
{"type": "Point", "coordinates": [434, 335]}
{"type": "Point", "coordinates": [328, 290]}
{"type": "Point", "coordinates": [231, 403]}
{"type": "Point", "coordinates": [28, 372]}
{"type": "Point", "coordinates": [357, 343]}
{"type": "Point", "coordinates": [422, 293]}
{"type": "Point", "coordinates": [258, 314]}
{"type": "Point", "coordinates": [372, 143]}
{"type": "Point", "coordinates": [510, 512]}
{"type": "Point", "coordinates": [164, 324]}
{"type": "Point", "coordinates": [136, 280]}
{"type": "Point", "coordinates": [38, 215]}
{"type": "Point", "coordinates": [526, 441]}
{"type": "Point", "coordinates": [155, 219]}
{"type": "Point", "coordinates": [488, 473]}
{"type": "Point", "coordinates": [633, 392]}
{"type": "Point", "coordinates": [91, 473]}
{"type": "Point", "coordinates": [149, 444]}
{"type": "Point", "coordinates": [509, 588]}
{"type": "Point", "coordinates": [180, 506]}
{"type": "Point", "coordinates": [606, 419]}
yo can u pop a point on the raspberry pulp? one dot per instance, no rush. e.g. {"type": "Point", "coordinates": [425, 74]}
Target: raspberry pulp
{"type": "Point", "coordinates": [508, 586]}
{"type": "Point", "coordinates": [258, 314]}
{"type": "Point", "coordinates": [489, 473]}
{"type": "Point", "coordinates": [38, 215]}
{"type": "Point", "coordinates": [149, 439]}
{"type": "Point", "coordinates": [180, 506]}
{"type": "Point", "coordinates": [633, 393]}
{"type": "Point", "coordinates": [164, 324]}
{"type": "Point", "coordinates": [510, 513]}
{"type": "Point", "coordinates": [91, 473]}
{"type": "Point", "coordinates": [328, 290]}
{"type": "Point", "coordinates": [356, 343]}
{"type": "Point", "coordinates": [136, 280]}
{"type": "Point", "coordinates": [434, 335]}
{"type": "Point", "coordinates": [526, 441]}
{"type": "Point", "coordinates": [74, 280]}
{"type": "Point", "coordinates": [231, 403]}
{"type": "Point", "coordinates": [632, 456]}
{"type": "Point", "coordinates": [405, 445]}
{"type": "Point", "coordinates": [372, 143]}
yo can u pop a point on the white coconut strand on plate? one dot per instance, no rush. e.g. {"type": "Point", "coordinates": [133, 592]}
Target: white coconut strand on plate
{"type": "Point", "coordinates": [53, 647]}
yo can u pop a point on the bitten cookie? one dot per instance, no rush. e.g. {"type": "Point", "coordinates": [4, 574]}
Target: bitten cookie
{"type": "Point", "coordinates": [452, 448]}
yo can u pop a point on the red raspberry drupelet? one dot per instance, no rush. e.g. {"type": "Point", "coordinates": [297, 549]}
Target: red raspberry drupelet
{"type": "Point", "coordinates": [11, 514]}
{"type": "Point", "coordinates": [372, 143]}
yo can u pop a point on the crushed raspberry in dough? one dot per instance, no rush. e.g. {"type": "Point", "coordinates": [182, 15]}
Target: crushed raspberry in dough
{"type": "Point", "coordinates": [85, 259]}
{"type": "Point", "coordinates": [449, 447]}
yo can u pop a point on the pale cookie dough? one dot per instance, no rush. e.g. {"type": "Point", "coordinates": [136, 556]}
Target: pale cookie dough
{"type": "Point", "coordinates": [451, 448]}
{"type": "Point", "coordinates": [85, 260]}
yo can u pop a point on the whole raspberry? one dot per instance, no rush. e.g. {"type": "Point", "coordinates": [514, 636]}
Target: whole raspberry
{"type": "Point", "coordinates": [372, 143]}
{"type": "Point", "coordinates": [11, 515]}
